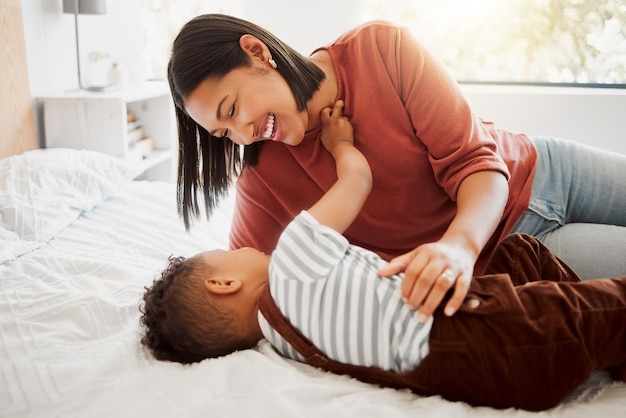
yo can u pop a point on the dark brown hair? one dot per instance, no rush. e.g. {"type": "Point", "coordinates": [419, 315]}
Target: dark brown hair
{"type": "Point", "coordinates": [208, 47]}
{"type": "Point", "coordinates": [182, 324]}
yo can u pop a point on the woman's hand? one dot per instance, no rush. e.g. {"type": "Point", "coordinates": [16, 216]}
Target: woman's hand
{"type": "Point", "coordinates": [430, 271]}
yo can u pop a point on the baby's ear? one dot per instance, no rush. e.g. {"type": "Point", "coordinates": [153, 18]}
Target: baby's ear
{"type": "Point", "coordinates": [222, 286]}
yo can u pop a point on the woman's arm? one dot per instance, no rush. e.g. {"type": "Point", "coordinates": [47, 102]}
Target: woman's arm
{"type": "Point", "coordinates": [466, 164]}
{"type": "Point", "coordinates": [481, 199]}
{"type": "Point", "coordinates": [341, 204]}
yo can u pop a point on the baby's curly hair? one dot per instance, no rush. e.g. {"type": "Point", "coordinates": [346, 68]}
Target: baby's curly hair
{"type": "Point", "coordinates": [182, 323]}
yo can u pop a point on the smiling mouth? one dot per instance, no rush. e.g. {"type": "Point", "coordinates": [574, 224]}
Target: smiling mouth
{"type": "Point", "coordinates": [268, 132]}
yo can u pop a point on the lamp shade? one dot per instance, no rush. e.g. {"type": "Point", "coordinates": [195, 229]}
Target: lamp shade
{"type": "Point", "coordinates": [87, 7]}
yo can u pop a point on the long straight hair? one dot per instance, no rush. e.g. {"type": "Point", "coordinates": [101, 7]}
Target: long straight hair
{"type": "Point", "coordinates": [208, 47]}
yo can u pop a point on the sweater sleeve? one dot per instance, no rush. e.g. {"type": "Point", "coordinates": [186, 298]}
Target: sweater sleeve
{"type": "Point", "coordinates": [457, 141]}
{"type": "Point", "coordinates": [307, 250]}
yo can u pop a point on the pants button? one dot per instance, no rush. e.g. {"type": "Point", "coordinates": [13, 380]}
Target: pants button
{"type": "Point", "coordinates": [472, 303]}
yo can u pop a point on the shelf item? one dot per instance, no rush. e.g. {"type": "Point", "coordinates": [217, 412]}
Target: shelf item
{"type": "Point", "coordinates": [136, 123]}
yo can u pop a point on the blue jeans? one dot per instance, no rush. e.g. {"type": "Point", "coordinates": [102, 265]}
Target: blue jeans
{"type": "Point", "coordinates": [578, 207]}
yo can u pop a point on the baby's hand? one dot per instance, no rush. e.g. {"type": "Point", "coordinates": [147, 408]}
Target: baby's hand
{"type": "Point", "coordinates": [336, 128]}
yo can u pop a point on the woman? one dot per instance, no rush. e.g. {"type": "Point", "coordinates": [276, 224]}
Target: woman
{"type": "Point", "coordinates": [447, 186]}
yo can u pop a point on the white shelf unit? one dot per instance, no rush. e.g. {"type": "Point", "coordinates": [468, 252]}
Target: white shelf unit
{"type": "Point", "coordinates": [98, 121]}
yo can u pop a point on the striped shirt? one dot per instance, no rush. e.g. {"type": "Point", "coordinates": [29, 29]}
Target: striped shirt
{"type": "Point", "coordinates": [331, 292]}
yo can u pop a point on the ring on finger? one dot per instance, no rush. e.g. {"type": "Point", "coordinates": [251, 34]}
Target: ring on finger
{"type": "Point", "coordinates": [448, 274]}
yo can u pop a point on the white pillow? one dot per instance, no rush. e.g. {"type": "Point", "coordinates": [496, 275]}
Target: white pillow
{"type": "Point", "coordinates": [45, 190]}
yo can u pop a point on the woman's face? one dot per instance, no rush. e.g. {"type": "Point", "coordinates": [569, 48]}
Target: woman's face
{"type": "Point", "coordinates": [249, 104]}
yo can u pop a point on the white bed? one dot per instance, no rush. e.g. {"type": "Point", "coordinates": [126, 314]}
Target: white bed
{"type": "Point", "coordinates": [79, 240]}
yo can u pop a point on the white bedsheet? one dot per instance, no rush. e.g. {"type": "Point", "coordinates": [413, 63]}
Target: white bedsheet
{"type": "Point", "coordinates": [69, 336]}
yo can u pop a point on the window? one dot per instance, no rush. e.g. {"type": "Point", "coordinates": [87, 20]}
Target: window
{"type": "Point", "coordinates": [520, 41]}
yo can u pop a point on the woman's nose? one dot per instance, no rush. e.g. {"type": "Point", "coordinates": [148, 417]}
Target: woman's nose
{"type": "Point", "coordinates": [242, 134]}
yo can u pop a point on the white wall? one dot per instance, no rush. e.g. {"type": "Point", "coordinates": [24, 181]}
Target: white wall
{"type": "Point", "coordinates": [304, 24]}
{"type": "Point", "coordinates": [51, 47]}
{"type": "Point", "coordinates": [593, 116]}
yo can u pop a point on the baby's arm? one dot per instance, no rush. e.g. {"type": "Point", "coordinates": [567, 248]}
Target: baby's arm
{"type": "Point", "coordinates": [341, 204]}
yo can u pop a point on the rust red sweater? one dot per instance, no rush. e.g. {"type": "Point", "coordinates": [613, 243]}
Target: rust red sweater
{"type": "Point", "coordinates": [416, 129]}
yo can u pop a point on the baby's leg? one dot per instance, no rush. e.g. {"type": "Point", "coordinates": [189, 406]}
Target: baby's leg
{"type": "Point", "coordinates": [526, 259]}
{"type": "Point", "coordinates": [526, 346]}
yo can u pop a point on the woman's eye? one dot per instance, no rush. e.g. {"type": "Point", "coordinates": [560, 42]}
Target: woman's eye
{"type": "Point", "coordinates": [232, 111]}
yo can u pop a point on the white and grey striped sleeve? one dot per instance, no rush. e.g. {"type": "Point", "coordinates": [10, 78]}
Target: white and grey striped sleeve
{"type": "Point", "coordinates": [307, 250]}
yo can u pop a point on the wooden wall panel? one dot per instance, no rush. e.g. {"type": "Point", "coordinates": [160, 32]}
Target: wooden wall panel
{"type": "Point", "coordinates": [17, 126]}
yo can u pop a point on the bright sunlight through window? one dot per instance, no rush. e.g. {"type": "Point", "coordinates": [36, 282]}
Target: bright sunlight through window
{"type": "Point", "coordinates": [526, 41]}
